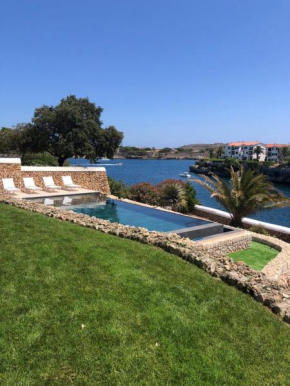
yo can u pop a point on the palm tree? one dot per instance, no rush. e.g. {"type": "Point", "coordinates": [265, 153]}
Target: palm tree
{"type": "Point", "coordinates": [258, 150]}
{"type": "Point", "coordinates": [247, 193]}
{"type": "Point", "coordinates": [173, 195]}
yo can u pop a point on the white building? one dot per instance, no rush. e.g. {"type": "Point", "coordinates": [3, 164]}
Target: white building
{"type": "Point", "coordinates": [274, 151]}
{"type": "Point", "coordinates": [245, 150]}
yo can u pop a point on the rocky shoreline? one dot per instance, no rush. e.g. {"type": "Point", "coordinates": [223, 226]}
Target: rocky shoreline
{"type": "Point", "coordinates": [279, 175]}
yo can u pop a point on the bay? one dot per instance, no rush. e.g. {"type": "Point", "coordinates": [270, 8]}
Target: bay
{"type": "Point", "coordinates": [155, 171]}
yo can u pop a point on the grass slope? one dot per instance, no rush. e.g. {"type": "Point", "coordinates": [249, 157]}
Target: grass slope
{"type": "Point", "coordinates": [257, 256]}
{"type": "Point", "coordinates": [149, 318]}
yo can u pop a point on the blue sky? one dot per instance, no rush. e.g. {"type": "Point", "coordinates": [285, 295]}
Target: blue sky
{"type": "Point", "coordinates": [166, 72]}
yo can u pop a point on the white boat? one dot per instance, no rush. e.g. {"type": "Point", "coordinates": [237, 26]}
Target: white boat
{"type": "Point", "coordinates": [185, 174]}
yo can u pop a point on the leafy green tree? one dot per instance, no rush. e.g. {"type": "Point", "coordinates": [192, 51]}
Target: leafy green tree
{"type": "Point", "coordinates": [131, 151]}
{"type": "Point", "coordinates": [105, 142]}
{"type": "Point", "coordinates": [235, 163]}
{"type": "Point", "coordinates": [72, 128]}
{"type": "Point", "coordinates": [7, 143]}
{"type": "Point", "coordinates": [165, 150]}
{"type": "Point", "coordinates": [18, 140]}
{"type": "Point", "coordinates": [220, 152]}
{"type": "Point", "coordinates": [210, 152]}
{"type": "Point", "coordinates": [284, 152]}
{"type": "Point", "coordinates": [118, 188]}
{"type": "Point", "coordinates": [247, 193]}
{"type": "Point", "coordinates": [25, 139]}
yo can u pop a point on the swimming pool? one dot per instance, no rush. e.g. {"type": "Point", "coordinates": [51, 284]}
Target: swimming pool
{"type": "Point", "coordinates": [123, 212]}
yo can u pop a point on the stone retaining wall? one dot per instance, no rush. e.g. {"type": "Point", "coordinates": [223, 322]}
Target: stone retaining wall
{"type": "Point", "coordinates": [93, 179]}
{"type": "Point", "coordinates": [277, 269]}
{"type": "Point", "coordinates": [207, 257]}
{"type": "Point", "coordinates": [10, 168]}
{"type": "Point", "coordinates": [230, 244]}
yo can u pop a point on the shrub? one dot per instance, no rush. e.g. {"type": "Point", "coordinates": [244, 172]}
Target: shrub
{"type": "Point", "coordinates": [40, 159]}
{"type": "Point", "coordinates": [187, 198]}
{"type": "Point", "coordinates": [235, 163]}
{"type": "Point", "coordinates": [118, 188]}
{"type": "Point", "coordinates": [259, 229]}
{"type": "Point", "coordinates": [145, 192]}
{"type": "Point", "coordinates": [173, 195]}
{"type": "Point", "coordinates": [179, 195]}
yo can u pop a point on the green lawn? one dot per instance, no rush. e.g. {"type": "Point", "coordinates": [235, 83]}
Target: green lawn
{"type": "Point", "coordinates": [148, 317]}
{"type": "Point", "coordinates": [256, 257]}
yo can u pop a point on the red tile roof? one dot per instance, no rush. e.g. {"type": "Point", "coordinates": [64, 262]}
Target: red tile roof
{"type": "Point", "coordinates": [242, 143]}
{"type": "Point", "coordinates": [277, 145]}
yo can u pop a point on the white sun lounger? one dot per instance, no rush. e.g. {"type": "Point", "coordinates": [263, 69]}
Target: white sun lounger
{"type": "Point", "coordinates": [49, 183]}
{"type": "Point", "coordinates": [29, 184]}
{"type": "Point", "coordinates": [8, 185]}
{"type": "Point", "coordinates": [67, 181]}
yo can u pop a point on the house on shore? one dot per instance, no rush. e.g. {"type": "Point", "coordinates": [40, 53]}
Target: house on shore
{"type": "Point", "coordinates": [245, 151]}
{"type": "Point", "coordinates": [275, 151]}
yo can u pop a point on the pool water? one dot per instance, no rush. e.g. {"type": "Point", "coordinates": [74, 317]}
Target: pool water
{"type": "Point", "coordinates": [123, 212]}
{"type": "Point", "coordinates": [138, 216]}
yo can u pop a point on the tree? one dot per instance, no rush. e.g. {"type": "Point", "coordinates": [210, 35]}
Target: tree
{"type": "Point", "coordinates": [284, 152]}
{"type": "Point", "coordinates": [118, 188]}
{"type": "Point", "coordinates": [165, 150]}
{"type": "Point", "coordinates": [247, 193]}
{"type": "Point", "coordinates": [220, 152]}
{"type": "Point", "coordinates": [105, 142]}
{"type": "Point", "coordinates": [7, 143]}
{"type": "Point", "coordinates": [258, 151]}
{"type": "Point", "coordinates": [210, 151]}
{"type": "Point", "coordinates": [25, 139]}
{"type": "Point", "coordinates": [17, 140]}
{"type": "Point", "coordinates": [72, 128]}
{"type": "Point", "coordinates": [173, 195]}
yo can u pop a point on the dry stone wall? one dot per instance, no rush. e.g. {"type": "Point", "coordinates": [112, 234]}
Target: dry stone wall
{"type": "Point", "coordinates": [88, 178]}
{"type": "Point", "coordinates": [238, 274]}
{"type": "Point", "coordinates": [10, 170]}
{"type": "Point", "coordinates": [229, 244]}
{"type": "Point", "coordinates": [277, 269]}
{"type": "Point", "coordinates": [92, 180]}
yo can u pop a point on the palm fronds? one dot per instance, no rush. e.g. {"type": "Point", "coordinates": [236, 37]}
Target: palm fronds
{"type": "Point", "coordinates": [247, 193]}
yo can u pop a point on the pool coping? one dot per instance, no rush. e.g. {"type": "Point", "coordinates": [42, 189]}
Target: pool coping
{"type": "Point", "coordinates": [224, 236]}
{"type": "Point", "coordinates": [198, 233]}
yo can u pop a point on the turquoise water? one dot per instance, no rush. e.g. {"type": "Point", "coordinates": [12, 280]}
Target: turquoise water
{"type": "Point", "coordinates": [138, 216]}
{"type": "Point", "coordinates": [154, 171]}
{"type": "Point", "coordinates": [121, 212]}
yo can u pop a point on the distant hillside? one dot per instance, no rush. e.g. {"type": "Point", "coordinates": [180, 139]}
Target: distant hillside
{"type": "Point", "coordinates": [203, 145]}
